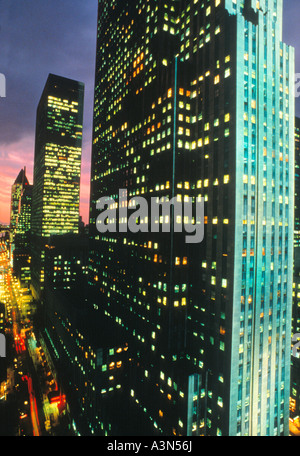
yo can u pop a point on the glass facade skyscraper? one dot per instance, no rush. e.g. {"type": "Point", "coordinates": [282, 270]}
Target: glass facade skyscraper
{"type": "Point", "coordinates": [196, 99]}
{"type": "Point", "coordinates": [16, 194]}
{"type": "Point", "coordinates": [297, 185]}
{"type": "Point", "coordinates": [22, 256]}
{"type": "Point", "coordinates": [22, 240]}
{"type": "Point", "coordinates": [57, 167]}
{"type": "Point", "coordinates": [20, 223]}
{"type": "Point", "coordinates": [295, 371]}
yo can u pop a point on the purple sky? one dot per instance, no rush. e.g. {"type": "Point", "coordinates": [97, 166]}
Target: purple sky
{"type": "Point", "coordinates": [38, 37]}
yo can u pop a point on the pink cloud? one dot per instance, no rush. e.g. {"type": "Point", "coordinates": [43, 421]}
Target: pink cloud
{"type": "Point", "coordinates": [21, 153]}
{"type": "Point", "coordinates": [13, 158]}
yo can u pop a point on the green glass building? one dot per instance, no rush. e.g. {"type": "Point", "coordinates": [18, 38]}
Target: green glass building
{"type": "Point", "coordinates": [22, 239]}
{"type": "Point", "coordinates": [297, 186]}
{"type": "Point", "coordinates": [295, 371]}
{"type": "Point", "coordinates": [57, 168]}
{"type": "Point", "coordinates": [22, 256]}
{"type": "Point", "coordinates": [196, 99]}
{"type": "Point", "coordinates": [16, 193]}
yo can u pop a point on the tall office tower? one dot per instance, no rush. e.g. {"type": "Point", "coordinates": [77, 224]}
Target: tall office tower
{"type": "Point", "coordinates": [196, 98]}
{"type": "Point", "coordinates": [22, 238]}
{"type": "Point", "coordinates": [22, 256]}
{"type": "Point", "coordinates": [297, 185]}
{"type": "Point", "coordinates": [57, 168]}
{"type": "Point", "coordinates": [295, 373]}
{"type": "Point", "coordinates": [295, 364]}
{"type": "Point", "coordinates": [16, 192]}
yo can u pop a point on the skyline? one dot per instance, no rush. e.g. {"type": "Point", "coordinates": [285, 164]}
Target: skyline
{"type": "Point", "coordinates": [69, 53]}
{"type": "Point", "coordinates": [127, 326]}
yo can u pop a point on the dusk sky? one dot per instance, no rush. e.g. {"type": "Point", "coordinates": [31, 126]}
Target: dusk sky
{"type": "Point", "coordinates": [38, 37]}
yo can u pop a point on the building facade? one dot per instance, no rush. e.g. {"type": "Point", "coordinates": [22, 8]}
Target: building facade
{"type": "Point", "coordinates": [295, 371]}
{"type": "Point", "coordinates": [195, 99]}
{"type": "Point", "coordinates": [22, 238]}
{"type": "Point", "coordinates": [295, 362]}
{"type": "Point", "coordinates": [297, 189]}
{"type": "Point", "coordinates": [57, 168]}
{"type": "Point", "coordinates": [16, 192]}
{"type": "Point", "coordinates": [22, 256]}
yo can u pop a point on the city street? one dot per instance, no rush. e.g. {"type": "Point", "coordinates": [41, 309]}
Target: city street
{"type": "Point", "coordinates": [29, 377]}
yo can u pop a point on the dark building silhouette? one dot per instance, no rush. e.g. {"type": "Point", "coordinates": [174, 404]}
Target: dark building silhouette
{"type": "Point", "coordinates": [91, 362]}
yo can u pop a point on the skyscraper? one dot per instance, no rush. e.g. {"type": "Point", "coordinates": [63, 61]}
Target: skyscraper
{"type": "Point", "coordinates": [297, 186]}
{"type": "Point", "coordinates": [196, 99]}
{"type": "Point", "coordinates": [22, 256]}
{"type": "Point", "coordinates": [295, 372]}
{"type": "Point", "coordinates": [18, 188]}
{"type": "Point", "coordinates": [57, 167]}
{"type": "Point", "coordinates": [16, 192]}
{"type": "Point", "coordinates": [22, 239]}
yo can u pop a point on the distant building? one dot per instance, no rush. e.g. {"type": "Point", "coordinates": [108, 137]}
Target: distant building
{"type": "Point", "coordinates": [57, 168]}
{"type": "Point", "coordinates": [16, 193]}
{"type": "Point", "coordinates": [23, 230]}
{"type": "Point", "coordinates": [81, 225]}
{"type": "Point", "coordinates": [22, 255]}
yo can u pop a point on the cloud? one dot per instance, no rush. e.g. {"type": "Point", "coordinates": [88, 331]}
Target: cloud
{"type": "Point", "coordinates": [13, 158]}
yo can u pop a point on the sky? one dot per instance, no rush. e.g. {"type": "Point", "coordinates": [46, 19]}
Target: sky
{"type": "Point", "coordinates": [38, 37]}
